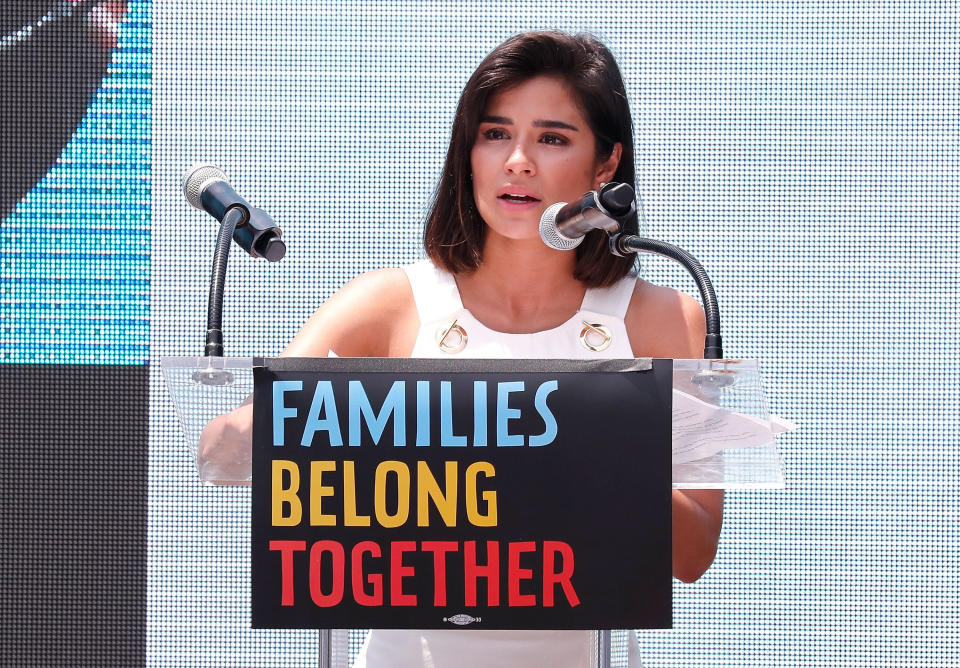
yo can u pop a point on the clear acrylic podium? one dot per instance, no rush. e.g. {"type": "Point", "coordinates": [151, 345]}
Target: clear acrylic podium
{"type": "Point", "coordinates": [722, 438]}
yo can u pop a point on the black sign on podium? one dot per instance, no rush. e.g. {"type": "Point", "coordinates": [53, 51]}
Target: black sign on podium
{"type": "Point", "coordinates": [494, 494]}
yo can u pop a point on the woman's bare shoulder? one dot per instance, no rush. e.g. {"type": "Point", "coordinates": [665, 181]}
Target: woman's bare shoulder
{"type": "Point", "coordinates": [374, 315]}
{"type": "Point", "coordinates": [663, 322]}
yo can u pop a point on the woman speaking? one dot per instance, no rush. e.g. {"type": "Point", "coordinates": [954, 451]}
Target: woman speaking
{"type": "Point", "coordinates": [543, 119]}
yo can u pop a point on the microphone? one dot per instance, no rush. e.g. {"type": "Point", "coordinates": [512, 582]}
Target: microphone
{"type": "Point", "coordinates": [563, 226]}
{"type": "Point", "coordinates": [206, 188]}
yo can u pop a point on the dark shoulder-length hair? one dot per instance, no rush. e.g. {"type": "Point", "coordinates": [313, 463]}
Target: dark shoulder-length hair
{"type": "Point", "coordinates": [455, 232]}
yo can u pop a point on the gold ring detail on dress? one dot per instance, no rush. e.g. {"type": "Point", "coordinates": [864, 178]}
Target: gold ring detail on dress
{"type": "Point", "coordinates": [452, 339]}
{"type": "Point", "coordinates": [595, 337]}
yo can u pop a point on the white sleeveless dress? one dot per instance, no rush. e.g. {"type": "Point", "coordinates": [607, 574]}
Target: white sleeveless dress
{"type": "Point", "coordinates": [438, 305]}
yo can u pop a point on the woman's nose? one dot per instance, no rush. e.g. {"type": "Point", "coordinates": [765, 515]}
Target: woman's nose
{"type": "Point", "coordinates": [519, 162]}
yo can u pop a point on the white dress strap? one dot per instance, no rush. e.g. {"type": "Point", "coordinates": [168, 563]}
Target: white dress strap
{"type": "Point", "coordinates": [613, 300]}
{"type": "Point", "coordinates": [434, 291]}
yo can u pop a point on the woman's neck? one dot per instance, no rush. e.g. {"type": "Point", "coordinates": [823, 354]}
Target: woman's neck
{"type": "Point", "coordinates": [521, 286]}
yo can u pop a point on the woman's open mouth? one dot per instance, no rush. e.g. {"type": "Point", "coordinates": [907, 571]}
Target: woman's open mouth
{"type": "Point", "coordinates": [518, 201]}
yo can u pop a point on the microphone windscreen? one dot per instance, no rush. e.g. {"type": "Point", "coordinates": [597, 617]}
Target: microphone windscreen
{"type": "Point", "coordinates": [196, 179]}
{"type": "Point", "coordinates": [551, 234]}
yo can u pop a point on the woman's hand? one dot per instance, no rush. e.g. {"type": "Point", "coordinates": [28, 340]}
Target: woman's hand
{"type": "Point", "coordinates": [226, 447]}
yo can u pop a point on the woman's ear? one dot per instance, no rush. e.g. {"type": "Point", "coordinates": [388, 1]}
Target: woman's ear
{"type": "Point", "coordinates": [607, 168]}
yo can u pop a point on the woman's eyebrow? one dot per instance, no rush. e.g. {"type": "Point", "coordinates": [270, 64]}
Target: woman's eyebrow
{"type": "Point", "coordinates": [556, 125]}
{"type": "Point", "coordinates": [499, 120]}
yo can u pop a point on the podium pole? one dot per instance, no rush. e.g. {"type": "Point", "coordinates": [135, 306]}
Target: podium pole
{"type": "Point", "coordinates": [326, 653]}
{"type": "Point", "coordinates": [604, 648]}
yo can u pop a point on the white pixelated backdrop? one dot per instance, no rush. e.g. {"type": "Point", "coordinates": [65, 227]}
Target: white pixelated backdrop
{"type": "Point", "coordinates": [807, 154]}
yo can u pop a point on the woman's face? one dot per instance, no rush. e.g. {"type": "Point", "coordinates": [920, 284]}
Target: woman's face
{"type": "Point", "coordinates": [533, 148]}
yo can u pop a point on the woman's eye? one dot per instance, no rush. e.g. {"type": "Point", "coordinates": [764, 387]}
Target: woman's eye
{"type": "Point", "coordinates": [494, 134]}
{"type": "Point", "coordinates": [556, 140]}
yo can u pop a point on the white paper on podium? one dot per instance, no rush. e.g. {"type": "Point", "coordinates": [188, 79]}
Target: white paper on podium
{"type": "Point", "coordinates": [701, 429]}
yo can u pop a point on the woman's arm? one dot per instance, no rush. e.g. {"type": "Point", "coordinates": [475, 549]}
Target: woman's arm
{"type": "Point", "coordinates": [697, 518]}
{"type": "Point", "coordinates": [371, 316]}
{"type": "Point", "coordinates": [669, 324]}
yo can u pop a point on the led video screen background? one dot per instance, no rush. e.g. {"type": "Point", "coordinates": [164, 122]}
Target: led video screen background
{"type": "Point", "coordinates": [74, 330]}
{"type": "Point", "coordinates": [806, 153]}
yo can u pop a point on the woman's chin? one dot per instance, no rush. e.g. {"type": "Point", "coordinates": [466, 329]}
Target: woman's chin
{"type": "Point", "coordinates": [524, 233]}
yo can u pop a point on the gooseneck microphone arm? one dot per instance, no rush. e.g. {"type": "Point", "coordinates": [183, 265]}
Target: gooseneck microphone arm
{"type": "Point", "coordinates": [218, 279]}
{"type": "Point", "coordinates": [622, 244]}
